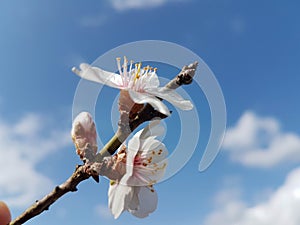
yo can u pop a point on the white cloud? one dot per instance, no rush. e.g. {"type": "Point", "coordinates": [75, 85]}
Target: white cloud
{"type": "Point", "coordinates": [103, 211]}
{"type": "Point", "coordinates": [23, 145]}
{"type": "Point", "coordinates": [121, 5]}
{"type": "Point", "coordinates": [100, 19]}
{"type": "Point", "coordinates": [258, 142]}
{"type": "Point", "coordinates": [282, 207]}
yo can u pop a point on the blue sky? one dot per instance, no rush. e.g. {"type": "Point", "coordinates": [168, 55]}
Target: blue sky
{"type": "Point", "coordinates": [253, 49]}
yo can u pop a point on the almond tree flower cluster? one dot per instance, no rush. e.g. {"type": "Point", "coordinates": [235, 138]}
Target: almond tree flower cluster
{"type": "Point", "coordinates": [142, 84]}
{"type": "Point", "coordinates": [143, 163]}
{"type": "Point", "coordinates": [133, 170]}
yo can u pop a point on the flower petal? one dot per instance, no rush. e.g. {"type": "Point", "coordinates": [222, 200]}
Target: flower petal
{"type": "Point", "coordinates": [135, 143]}
{"type": "Point", "coordinates": [171, 96]}
{"type": "Point", "coordinates": [132, 149]}
{"type": "Point", "coordinates": [151, 80]}
{"type": "Point", "coordinates": [142, 98]}
{"type": "Point", "coordinates": [153, 129]}
{"type": "Point", "coordinates": [119, 198]}
{"type": "Point", "coordinates": [148, 202]}
{"type": "Point", "coordinates": [98, 75]}
{"type": "Point", "coordinates": [155, 150]}
{"type": "Point", "coordinates": [148, 175]}
{"type": "Point", "coordinates": [134, 204]}
{"type": "Point", "coordinates": [149, 167]}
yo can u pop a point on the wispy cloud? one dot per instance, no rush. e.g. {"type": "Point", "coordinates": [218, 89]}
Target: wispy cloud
{"type": "Point", "coordinates": [280, 208]}
{"type": "Point", "coordinates": [96, 20]}
{"type": "Point", "coordinates": [135, 4]}
{"type": "Point", "coordinates": [259, 142]}
{"type": "Point", "coordinates": [122, 5]}
{"type": "Point", "coordinates": [23, 145]}
{"type": "Point", "coordinates": [103, 211]}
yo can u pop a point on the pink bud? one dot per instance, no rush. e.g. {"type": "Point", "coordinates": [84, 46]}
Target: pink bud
{"type": "Point", "coordinates": [84, 134]}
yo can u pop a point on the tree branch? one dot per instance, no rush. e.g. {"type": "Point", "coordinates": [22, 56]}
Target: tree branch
{"type": "Point", "coordinates": [38, 207]}
{"type": "Point", "coordinates": [82, 172]}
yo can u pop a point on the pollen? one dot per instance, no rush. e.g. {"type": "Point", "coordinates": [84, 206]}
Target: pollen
{"type": "Point", "coordinates": [138, 66]}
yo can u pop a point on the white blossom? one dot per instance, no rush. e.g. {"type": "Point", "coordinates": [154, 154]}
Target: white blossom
{"type": "Point", "coordinates": [141, 83]}
{"type": "Point", "coordinates": [145, 159]}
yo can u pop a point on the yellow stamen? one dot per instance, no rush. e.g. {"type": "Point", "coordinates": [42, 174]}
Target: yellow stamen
{"type": "Point", "coordinates": [138, 65]}
{"type": "Point", "coordinates": [147, 69]}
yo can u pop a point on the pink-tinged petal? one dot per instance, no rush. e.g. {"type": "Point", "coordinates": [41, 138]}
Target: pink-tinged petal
{"type": "Point", "coordinates": [137, 141]}
{"type": "Point", "coordinates": [148, 169]}
{"type": "Point", "coordinates": [152, 164]}
{"type": "Point", "coordinates": [148, 175]}
{"type": "Point", "coordinates": [119, 198]}
{"type": "Point", "coordinates": [142, 98]}
{"type": "Point", "coordinates": [148, 202]}
{"type": "Point", "coordinates": [171, 96]}
{"type": "Point", "coordinates": [98, 75]}
{"type": "Point", "coordinates": [84, 133]}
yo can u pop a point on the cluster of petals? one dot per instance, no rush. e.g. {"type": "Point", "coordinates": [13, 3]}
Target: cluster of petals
{"type": "Point", "coordinates": [141, 83]}
{"type": "Point", "coordinates": [135, 168]}
{"type": "Point", "coordinates": [145, 160]}
{"type": "Point", "coordinates": [138, 166]}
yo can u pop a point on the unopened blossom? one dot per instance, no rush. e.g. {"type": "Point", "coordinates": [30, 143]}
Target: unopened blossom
{"type": "Point", "coordinates": [84, 135]}
{"type": "Point", "coordinates": [142, 84]}
{"type": "Point", "coordinates": [143, 164]}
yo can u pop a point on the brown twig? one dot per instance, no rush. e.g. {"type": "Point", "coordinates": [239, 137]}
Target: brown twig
{"type": "Point", "coordinates": [81, 173]}
{"type": "Point", "coordinates": [38, 207]}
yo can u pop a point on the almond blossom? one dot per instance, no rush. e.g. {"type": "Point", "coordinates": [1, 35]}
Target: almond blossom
{"type": "Point", "coordinates": [141, 83]}
{"type": "Point", "coordinates": [143, 164]}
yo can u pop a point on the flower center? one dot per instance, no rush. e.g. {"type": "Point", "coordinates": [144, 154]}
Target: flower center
{"type": "Point", "coordinates": [134, 78]}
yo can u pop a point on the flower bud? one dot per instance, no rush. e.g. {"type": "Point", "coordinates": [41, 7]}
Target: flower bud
{"type": "Point", "coordinates": [84, 135]}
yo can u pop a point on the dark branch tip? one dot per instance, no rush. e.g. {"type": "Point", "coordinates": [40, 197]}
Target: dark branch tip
{"type": "Point", "coordinates": [96, 178]}
{"type": "Point", "coordinates": [184, 78]}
